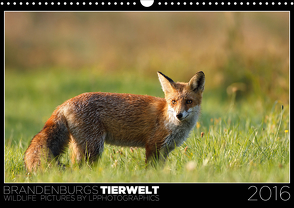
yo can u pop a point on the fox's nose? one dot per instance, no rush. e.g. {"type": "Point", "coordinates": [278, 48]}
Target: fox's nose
{"type": "Point", "coordinates": [180, 116]}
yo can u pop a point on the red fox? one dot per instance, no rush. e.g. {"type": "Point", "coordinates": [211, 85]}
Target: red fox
{"type": "Point", "coordinates": [89, 120]}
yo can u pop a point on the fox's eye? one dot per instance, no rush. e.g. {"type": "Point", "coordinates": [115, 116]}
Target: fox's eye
{"type": "Point", "coordinates": [188, 101]}
{"type": "Point", "coordinates": [174, 102]}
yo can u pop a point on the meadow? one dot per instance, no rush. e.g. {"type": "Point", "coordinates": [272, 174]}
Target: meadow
{"type": "Point", "coordinates": [243, 132]}
{"type": "Point", "coordinates": [232, 142]}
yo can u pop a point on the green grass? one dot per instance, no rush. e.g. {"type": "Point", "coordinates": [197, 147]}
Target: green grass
{"type": "Point", "coordinates": [244, 141]}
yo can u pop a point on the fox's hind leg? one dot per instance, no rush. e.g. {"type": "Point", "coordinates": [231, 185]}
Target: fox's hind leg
{"type": "Point", "coordinates": [76, 156]}
{"type": "Point", "coordinates": [88, 146]}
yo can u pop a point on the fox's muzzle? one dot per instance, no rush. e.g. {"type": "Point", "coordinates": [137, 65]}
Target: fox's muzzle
{"type": "Point", "coordinates": [179, 116]}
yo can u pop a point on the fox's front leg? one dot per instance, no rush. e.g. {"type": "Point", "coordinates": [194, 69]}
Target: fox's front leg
{"type": "Point", "coordinates": [156, 154]}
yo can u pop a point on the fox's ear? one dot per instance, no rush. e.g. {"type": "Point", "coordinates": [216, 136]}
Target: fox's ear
{"type": "Point", "coordinates": [197, 82]}
{"type": "Point", "coordinates": [167, 83]}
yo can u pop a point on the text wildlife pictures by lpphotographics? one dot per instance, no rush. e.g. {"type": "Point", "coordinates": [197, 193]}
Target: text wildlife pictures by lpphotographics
{"type": "Point", "coordinates": [89, 120]}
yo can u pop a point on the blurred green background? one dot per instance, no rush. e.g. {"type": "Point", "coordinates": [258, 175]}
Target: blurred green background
{"type": "Point", "coordinates": [244, 47]}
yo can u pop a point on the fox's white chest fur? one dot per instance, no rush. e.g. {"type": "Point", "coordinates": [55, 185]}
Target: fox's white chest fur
{"type": "Point", "coordinates": [180, 129]}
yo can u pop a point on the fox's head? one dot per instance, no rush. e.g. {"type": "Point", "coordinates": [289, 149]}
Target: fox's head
{"type": "Point", "coordinates": [183, 99]}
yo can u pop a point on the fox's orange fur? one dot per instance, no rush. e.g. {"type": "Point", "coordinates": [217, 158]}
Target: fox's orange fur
{"type": "Point", "coordinates": [89, 120]}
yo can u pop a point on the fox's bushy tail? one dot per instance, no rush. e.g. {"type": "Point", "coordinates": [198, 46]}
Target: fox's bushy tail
{"type": "Point", "coordinates": [49, 142]}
